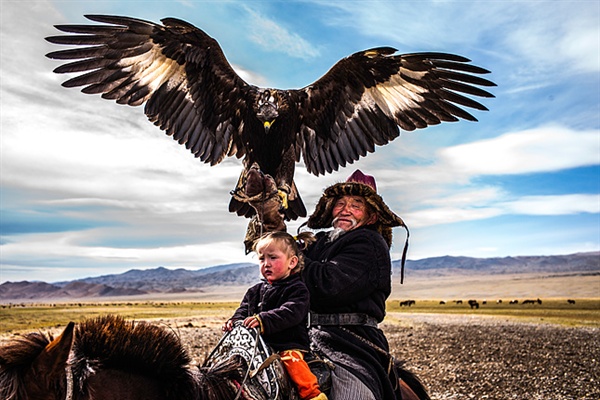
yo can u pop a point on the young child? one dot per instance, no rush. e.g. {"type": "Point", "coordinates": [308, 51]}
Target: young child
{"type": "Point", "coordinates": [279, 306]}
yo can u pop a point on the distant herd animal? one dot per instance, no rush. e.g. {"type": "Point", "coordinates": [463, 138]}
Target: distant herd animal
{"type": "Point", "coordinates": [474, 304]}
{"type": "Point", "coordinates": [532, 301]}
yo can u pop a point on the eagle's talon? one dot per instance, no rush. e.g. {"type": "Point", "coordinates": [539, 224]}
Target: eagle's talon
{"type": "Point", "coordinates": [284, 198]}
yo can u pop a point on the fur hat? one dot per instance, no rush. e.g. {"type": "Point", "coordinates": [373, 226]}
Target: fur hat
{"type": "Point", "coordinates": [358, 184]}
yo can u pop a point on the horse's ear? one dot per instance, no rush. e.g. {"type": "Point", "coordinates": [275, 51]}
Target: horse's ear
{"type": "Point", "coordinates": [53, 359]}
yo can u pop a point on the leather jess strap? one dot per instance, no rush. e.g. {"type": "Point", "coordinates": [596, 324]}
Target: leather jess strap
{"type": "Point", "coordinates": [341, 319]}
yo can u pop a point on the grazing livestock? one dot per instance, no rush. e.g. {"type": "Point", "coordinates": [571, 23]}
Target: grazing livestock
{"type": "Point", "coordinates": [571, 301]}
{"type": "Point", "coordinates": [499, 301]}
{"type": "Point", "coordinates": [458, 301]}
{"type": "Point", "coordinates": [407, 303]}
{"type": "Point", "coordinates": [473, 304]}
{"type": "Point", "coordinates": [532, 301]}
{"type": "Point", "coordinates": [513, 302]}
{"type": "Point", "coordinates": [442, 302]}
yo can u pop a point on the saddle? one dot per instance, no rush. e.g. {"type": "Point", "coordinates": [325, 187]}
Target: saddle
{"type": "Point", "coordinates": [264, 374]}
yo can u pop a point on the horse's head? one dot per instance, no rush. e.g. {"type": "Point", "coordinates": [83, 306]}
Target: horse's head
{"type": "Point", "coordinates": [33, 367]}
{"type": "Point", "coordinates": [113, 358]}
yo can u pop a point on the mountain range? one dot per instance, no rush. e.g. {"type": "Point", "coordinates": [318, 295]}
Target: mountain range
{"type": "Point", "coordinates": [163, 280]}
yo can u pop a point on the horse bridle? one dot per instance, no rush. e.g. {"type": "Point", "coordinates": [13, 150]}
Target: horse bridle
{"type": "Point", "coordinates": [69, 379]}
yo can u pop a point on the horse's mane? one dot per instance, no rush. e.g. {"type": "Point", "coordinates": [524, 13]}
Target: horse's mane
{"type": "Point", "coordinates": [111, 342]}
{"type": "Point", "coordinates": [15, 358]}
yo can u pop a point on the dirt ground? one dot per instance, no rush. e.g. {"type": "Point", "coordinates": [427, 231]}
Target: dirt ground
{"type": "Point", "coordinates": [468, 356]}
{"type": "Point", "coordinates": [465, 357]}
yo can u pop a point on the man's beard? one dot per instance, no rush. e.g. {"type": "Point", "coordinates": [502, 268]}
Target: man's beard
{"type": "Point", "coordinates": [337, 232]}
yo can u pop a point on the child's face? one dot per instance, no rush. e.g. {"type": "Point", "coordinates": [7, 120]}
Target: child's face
{"type": "Point", "coordinates": [275, 264]}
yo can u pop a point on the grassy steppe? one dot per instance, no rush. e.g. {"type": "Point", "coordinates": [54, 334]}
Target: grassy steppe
{"type": "Point", "coordinates": [31, 317]}
{"type": "Point", "coordinates": [585, 312]}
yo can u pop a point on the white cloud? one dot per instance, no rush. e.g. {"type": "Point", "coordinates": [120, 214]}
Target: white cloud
{"type": "Point", "coordinates": [554, 205]}
{"type": "Point", "coordinates": [250, 77]}
{"type": "Point", "coordinates": [273, 37]}
{"type": "Point", "coordinates": [447, 215]}
{"type": "Point", "coordinates": [544, 149]}
{"type": "Point", "coordinates": [472, 208]}
{"type": "Point", "coordinates": [70, 258]}
{"type": "Point", "coordinates": [536, 41]}
{"type": "Point", "coordinates": [444, 191]}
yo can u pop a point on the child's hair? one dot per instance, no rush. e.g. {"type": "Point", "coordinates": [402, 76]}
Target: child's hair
{"type": "Point", "coordinates": [292, 246]}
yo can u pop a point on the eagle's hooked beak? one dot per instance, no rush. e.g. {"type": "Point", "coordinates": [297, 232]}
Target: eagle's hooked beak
{"type": "Point", "coordinates": [267, 125]}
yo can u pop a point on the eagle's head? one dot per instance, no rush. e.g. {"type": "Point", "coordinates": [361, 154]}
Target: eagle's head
{"type": "Point", "coordinates": [267, 108]}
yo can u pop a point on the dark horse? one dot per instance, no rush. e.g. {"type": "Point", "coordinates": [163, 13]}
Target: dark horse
{"type": "Point", "coordinates": [104, 358]}
{"type": "Point", "coordinates": [109, 358]}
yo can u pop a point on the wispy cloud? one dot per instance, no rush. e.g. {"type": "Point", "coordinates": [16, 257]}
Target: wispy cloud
{"type": "Point", "coordinates": [274, 37]}
{"type": "Point", "coordinates": [445, 191]}
{"type": "Point", "coordinates": [543, 149]}
{"type": "Point", "coordinates": [515, 34]}
{"type": "Point", "coordinates": [554, 205]}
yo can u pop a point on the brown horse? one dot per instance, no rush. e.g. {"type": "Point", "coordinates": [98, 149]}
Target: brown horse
{"type": "Point", "coordinates": [33, 367]}
{"type": "Point", "coordinates": [109, 358]}
{"type": "Point", "coordinates": [223, 381]}
{"type": "Point", "coordinates": [242, 366]}
{"type": "Point", "coordinates": [105, 358]}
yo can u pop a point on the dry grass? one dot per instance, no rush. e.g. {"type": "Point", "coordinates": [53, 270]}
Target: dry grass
{"type": "Point", "coordinates": [585, 312]}
{"type": "Point", "coordinates": [30, 317]}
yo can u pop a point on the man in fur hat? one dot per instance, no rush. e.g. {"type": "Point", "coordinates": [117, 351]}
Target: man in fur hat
{"type": "Point", "coordinates": [348, 273]}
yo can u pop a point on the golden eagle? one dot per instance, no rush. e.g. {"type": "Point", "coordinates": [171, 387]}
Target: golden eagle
{"type": "Point", "coordinates": [193, 94]}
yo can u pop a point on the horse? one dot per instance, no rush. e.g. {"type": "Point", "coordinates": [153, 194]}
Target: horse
{"type": "Point", "coordinates": [473, 304]}
{"type": "Point", "coordinates": [105, 358]}
{"type": "Point", "coordinates": [538, 301]}
{"type": "Point", "coordinates": [33, 367]}
{"type": "Point", "coordinates": [108, 358]}
{"type": "Point", "coordinates": [243, 366]}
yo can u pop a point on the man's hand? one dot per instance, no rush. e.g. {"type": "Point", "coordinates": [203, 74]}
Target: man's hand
{"type": "Point", "coordinates": [251, 322]}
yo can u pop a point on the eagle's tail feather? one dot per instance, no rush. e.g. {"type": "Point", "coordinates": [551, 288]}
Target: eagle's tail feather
{"type": "Point", "coordinates": [296, 208]}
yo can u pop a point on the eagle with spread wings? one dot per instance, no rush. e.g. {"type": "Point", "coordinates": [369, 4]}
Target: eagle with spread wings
{"type": "Point", "coordinates": [191, 92]}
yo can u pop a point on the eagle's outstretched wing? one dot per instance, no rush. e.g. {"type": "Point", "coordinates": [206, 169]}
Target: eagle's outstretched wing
{"type": "Point", "coordinates": [364, 99]}
{"type": "Point", "coordinates": [181, 73]}
{"type": "Point", "coordinates": [192, 93]}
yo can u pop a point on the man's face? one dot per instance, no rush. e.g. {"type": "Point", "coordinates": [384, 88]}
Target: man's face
{"type": "Point", "coordinates": [350, 212]}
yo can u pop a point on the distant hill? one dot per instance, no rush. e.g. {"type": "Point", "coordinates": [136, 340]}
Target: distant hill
{"type": "Point", "coordinates": [443, 266]}
{"type": "Point", "coordinates": [164, 280]}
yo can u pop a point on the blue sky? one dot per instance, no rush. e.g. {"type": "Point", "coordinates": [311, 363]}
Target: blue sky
{"type": "Point", "coordinates": [92, 188]}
